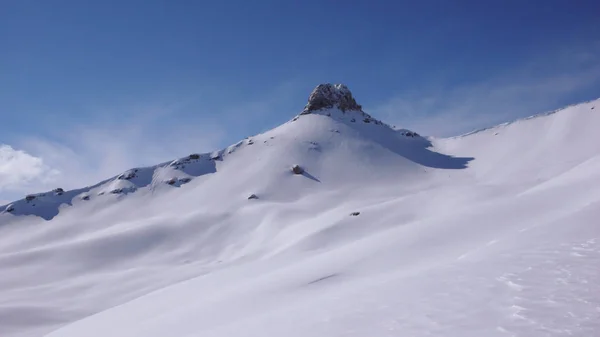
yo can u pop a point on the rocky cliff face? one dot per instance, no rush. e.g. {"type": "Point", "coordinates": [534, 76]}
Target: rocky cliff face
{"type": "Point", "coordinates": [326, 96]}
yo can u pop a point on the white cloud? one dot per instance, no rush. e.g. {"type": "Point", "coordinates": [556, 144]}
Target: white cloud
{"type": "Point", "coordinates": [20, 170]}
{"type": "Point", "coordinates": [448, 111]}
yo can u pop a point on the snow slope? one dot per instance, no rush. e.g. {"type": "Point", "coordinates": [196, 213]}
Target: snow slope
{"type": "Point", "coordinates": [494, 233]}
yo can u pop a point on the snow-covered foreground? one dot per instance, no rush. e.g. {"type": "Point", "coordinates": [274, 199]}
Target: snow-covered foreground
{"type": "Point", "coordinates": [496, 233]}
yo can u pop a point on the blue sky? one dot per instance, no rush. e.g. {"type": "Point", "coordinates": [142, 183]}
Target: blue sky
{"type": "Point", "coordinates": [88, 89]}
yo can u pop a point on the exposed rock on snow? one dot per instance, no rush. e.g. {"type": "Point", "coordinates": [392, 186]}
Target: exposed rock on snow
{"type": "Point", "coordinates": [180, 163]}
{"type": "Point", "coordinates": [297, 169]}
{"type": "Point", "coordinates": [252, 196]}
{"type": "Point", "coordinates": [128, 175]}
{"type": "Point", "coordinates": [178, 182]}
{"type": "Point", "coordinates": [326, 96]}
{"type": "Point", "coordinates": [408, 133]}
{"type": "Point", "coordinates": [336, 101]}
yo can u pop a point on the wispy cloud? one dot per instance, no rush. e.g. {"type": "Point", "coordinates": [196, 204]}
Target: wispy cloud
{"type": "Point", "coordinates": [84, 154]}
{"type": "Point", "coordinates": [452, 110]}
{"type": "Point", "coordinates": [114, 140]}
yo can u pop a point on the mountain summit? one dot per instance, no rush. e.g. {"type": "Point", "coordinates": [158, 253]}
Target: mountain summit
{"type": "Point", "coordinates": [327, 96]}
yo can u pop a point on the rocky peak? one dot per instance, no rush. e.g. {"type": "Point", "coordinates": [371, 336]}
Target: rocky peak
{"type": "Point", "coordinates": [326, 96]}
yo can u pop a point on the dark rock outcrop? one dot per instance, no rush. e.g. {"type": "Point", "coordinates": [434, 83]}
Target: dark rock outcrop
{"type": "Point", "coordinates": [408, 133]}
{"type": "Point", "coordinates": [326, 96]}
{"type": "Point", "coordinates": [297, 169]}
{"type": "Point", "coordinates": [128, 175]}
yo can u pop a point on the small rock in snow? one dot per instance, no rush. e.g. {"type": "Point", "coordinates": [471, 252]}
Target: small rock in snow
{"type": "Point", "coordinates": [297, 169]}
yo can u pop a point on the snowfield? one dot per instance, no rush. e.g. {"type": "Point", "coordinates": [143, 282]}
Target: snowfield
{"type": "Point", "coordinates": [385, 233]}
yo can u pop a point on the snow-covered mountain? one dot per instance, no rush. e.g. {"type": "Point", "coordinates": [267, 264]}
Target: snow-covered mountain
{"type": "Point", "coordinates": [332, 224]}
{"type": "Point", "coordinates": [308, 134]}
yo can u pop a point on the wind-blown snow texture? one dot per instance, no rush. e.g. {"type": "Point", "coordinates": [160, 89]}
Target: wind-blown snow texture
{"type": "Point", "coordinates": [494, 233]}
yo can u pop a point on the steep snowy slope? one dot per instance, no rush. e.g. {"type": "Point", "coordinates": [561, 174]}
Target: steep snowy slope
{"type": "Point", "coordinates": [533, 149]}
{"type": "Point", "coordinates": [385, 233]}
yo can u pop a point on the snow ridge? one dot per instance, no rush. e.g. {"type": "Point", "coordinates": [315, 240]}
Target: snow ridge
{"type": "Point", "coordinates": [591, 103]}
